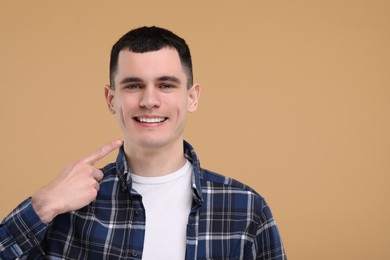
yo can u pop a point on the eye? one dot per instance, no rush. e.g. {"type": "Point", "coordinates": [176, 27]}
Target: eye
{"type": "Point", "coordinates": [166, 86]}
{"type": "Point", "coordinates": [133, 87]}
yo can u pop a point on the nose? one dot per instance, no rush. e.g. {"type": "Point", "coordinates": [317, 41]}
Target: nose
{"type": "Point", "coordinates": [150, 98]}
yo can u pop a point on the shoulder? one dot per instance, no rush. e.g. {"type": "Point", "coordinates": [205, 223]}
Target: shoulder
{"type": "Point", "coordinates": [213, 182]}
{"type": "Point", "coordinates": [217, 179]}
{"type": "Point", "coordinates": [226, 198]}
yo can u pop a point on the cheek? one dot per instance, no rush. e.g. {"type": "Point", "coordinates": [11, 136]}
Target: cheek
{"type": "Point", "coordinates": [182, 112]}
{"type": "Point", "coordinates": [120, 111]}
{"type": "Point", "coordinates": [120, 116]}
{"type": "Point", "coordinates": [125, 103]}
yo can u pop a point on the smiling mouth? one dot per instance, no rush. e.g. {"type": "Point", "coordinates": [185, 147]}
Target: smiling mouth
{"type": "Point", "coordinates": [150, 120]}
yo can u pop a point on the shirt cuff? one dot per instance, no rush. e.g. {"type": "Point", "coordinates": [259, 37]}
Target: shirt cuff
{"type": "Point", "coordinates": [25, 226]}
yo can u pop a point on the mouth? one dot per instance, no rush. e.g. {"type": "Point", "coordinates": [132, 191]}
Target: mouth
{"type": "Point", "coordinates": [150, 120]}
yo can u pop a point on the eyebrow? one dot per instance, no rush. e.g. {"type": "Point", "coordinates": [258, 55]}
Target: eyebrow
{"type": "Point", "coordinates": [172, 79]}
{"type": "Point", "coordinates": [130, 80]}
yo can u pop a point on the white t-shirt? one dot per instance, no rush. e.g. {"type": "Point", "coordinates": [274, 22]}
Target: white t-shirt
{"type": "Point", "coordinates": [167, 201]}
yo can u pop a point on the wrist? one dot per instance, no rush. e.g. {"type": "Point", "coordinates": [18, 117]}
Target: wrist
{"type": "Point", "coordinates": [45, 211]}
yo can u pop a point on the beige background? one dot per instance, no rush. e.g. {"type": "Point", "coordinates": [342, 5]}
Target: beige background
{"type": "Point", "coordinates": [295, 103]}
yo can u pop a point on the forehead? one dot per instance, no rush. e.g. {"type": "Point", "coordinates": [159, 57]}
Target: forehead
{"type": "Point", "coordinates": [149, 65]}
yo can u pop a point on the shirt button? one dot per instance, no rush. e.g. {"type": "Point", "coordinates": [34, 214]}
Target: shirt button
{"type": "Point", "coordinates": [138, 211]}
{"type": "Point", "coordinates": [134, 253]}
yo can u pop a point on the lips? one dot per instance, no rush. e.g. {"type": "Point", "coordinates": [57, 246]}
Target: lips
{"type": "Point", "coordinates": [150, 120]}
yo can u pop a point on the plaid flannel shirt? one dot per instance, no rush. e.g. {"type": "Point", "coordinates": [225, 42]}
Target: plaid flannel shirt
{"type": "Point", "coordinates": [228, 220]}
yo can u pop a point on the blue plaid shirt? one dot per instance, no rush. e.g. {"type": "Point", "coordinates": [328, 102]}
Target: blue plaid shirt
{"type": "Point", "coordinates": [228, 220]}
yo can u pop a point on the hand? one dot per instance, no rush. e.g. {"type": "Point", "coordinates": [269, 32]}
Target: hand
{"type": "Point", "coordinates": [74, 188]}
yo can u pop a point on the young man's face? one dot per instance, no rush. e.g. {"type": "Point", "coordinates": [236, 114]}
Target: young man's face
{"type": "Point", "coordinates": [151, 98]}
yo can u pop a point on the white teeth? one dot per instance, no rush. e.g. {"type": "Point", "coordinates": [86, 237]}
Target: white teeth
{"type": "Point", "coordinates": [150, 120]}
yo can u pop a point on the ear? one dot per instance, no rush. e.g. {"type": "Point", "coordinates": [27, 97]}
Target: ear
{"type": "Point", "coordinates": [109, 94]}
{"type": "Point", "coordinates": [193, 98]}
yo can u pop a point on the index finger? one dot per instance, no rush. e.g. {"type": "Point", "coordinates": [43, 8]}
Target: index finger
{"type": "Point", "coordinates": [101, 152]}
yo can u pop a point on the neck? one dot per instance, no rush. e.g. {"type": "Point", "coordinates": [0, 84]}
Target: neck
{"type": "Point", "coordinates": [155, 161]}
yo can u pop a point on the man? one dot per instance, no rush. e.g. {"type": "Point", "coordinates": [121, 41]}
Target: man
{"type": "Point", "coordinates": [154, 202]}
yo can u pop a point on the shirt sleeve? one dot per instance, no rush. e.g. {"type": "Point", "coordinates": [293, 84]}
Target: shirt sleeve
{"type": "Point", "coordinates": [21, 231]}
{"type": "Point", "coordinates": [268, 244]}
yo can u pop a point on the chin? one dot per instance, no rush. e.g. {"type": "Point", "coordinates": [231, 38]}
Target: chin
{"type": "Point", "coordinates": [152, 140]}
{"type": "Point", "coordinates": [151, 143]}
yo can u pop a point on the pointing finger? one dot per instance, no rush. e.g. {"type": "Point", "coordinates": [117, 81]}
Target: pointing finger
{"type": "Point", "coordinates": [101, 152]}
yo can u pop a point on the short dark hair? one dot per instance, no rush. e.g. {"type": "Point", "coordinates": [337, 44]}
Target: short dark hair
{"type": "Point", "coordinates": [146, 39]}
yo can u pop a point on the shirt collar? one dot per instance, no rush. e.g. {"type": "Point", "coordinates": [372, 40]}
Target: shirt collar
{"type": "Point", "coordinates": [189, 153]}
{"type": "Point", "coordinates": [123, 172]}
